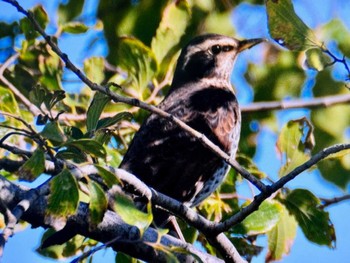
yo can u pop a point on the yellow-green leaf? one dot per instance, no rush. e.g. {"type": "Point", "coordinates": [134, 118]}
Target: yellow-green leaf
{"type": "Point", "coordinates": [75, 28]}
{"type": "Point", "coordinates": [281, 237]}
{"type": "Point", "coordinates": [173, 25]}
{"type": "Point", "coordinates": [131, 215]}
{"type": "Point", "coordinates": [286, 28]}
{"type": "Point", "coordinates": [98, 203]}
{"type": "Point", "coordinates": [294, 144]}
{"type": "Point", "coordinates": [262, 220]}
{"type": "Point", "coordinates": [94, 69]}
{"type": "Point", "coordinates": [316, 59]}
{"type": "Point", "coordinates": [138, 61]}
{"type": "Point", "coordinates": [33, 167]}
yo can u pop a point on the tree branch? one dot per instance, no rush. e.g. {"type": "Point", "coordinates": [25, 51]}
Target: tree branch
{"type": "Point", "coordinates": [129, 240]}
{"type": "Point", "coordinates": [296, 104]}
{"type": "Point", "coordinates": [258, 199]}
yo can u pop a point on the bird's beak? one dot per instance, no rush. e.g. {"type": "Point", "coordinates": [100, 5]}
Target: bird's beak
{"type": "Point", "coordinates": [248, 43]}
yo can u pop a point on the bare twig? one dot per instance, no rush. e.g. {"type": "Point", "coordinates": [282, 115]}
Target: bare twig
{"type": "Point", "coordinates": [331, 201]}
{"type": "Point", "coordinates": [241, 215]}
{"type": "Point", "coordinates": [296, 104]}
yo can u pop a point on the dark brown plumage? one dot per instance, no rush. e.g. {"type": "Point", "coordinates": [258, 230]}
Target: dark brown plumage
{"type": "Point", "coordinates": [169, 159]}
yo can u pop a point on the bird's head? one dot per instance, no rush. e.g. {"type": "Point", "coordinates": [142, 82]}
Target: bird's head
{"type": "Point", "coordinates": [209, 56]}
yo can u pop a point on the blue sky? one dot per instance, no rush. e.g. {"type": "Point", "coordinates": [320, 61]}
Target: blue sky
{"type": "Point", "coordinates": [249, 22]}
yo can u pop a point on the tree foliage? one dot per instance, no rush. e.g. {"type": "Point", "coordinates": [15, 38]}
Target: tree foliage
{"type": "Point", "coordinates": [45, 119]}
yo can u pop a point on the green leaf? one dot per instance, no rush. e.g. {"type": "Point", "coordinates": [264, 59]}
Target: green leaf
{"type": "Point", "coordinates": [313, 220]}
{"type": "Point", "coordinates": [51, 68]}
{"type": "Point", "coordinates": [251, 167]}
{"type": "Point", "coordinates": [281, 237]}
{"type": "Point", "coordinates": [286, 28]}
{"type": "Point", "coordinates": [98, 203]}
{"type": "Point", "coordinates": [37, 95]}
{"type": "Point", "coordinates": [294, 144]}
{"type": "Point", "coordinates": [262, 220]}
{"type": "Point", "coordinates": [8, 101]}
{"type": "Point", "coordinates": [94, 69]}
{"type": "Point", "coordinates": [95, 109]}
{"type": "Point", "coordinates": [108, 177]}
{"type": "Point", "coordinates": [75, 28]}
{"type": "Point", "coordinates": [69, 11]}
{"type": "Point", "coordinates": [110, 121]}
{"type": "Point", "coordinates": [51, 99]}
{"type": "Point", "coordinates": [89, 146]}
{"type": "Point", "coordinates": [53, 132]}
{"type": "Point", "coordinates": [316, 59]}
{"type": "Point", "coordinates": [337, 31]}
{"type": "Point", "coordinates": [68, 249]}
{"type": "Point", "coordinates": [130, 214]}
{"type": "Point", "coordinates": [64, 195]}
{"type": "Point", "coordinates": [42, 19]}
{"type": "Point", "coordinates": [139, 61]}
{"type": "Point", "coordinates": [175, 19]}
{"type": "Point", "coordinates": [33, 167]}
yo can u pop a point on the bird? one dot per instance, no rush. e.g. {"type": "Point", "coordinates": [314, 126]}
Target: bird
{"type": "Point", "coordinates": [169, 159]}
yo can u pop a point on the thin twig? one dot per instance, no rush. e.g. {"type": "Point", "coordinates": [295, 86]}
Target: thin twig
{"type": "Point", "coordinates": [296, 104]}
{"type": "Point", "coordinates": [331, 201]}
{"type": "Point", "coordinates": [244, 212]}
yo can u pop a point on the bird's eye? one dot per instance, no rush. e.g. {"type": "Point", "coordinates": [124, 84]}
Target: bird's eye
{"type": "Point", "coordinates": [227, 48]}
{"type": "Point", "coordinates": [216, 49]}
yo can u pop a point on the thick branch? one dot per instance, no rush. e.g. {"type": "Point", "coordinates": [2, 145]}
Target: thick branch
{"type": "Point", "coordinates": [128, 241]}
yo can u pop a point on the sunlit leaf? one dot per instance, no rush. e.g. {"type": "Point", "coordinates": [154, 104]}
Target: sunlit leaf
{"type": "Point", "coordinates": [95, 109]}
{"type": "Point", "coordinates": [8, 101]}
{"type": "Point", "coordinates": [281, 237]}
{"type": "Point", "coordinates": [262, 220]}
{"type": "Point", "coordinates": [314, 221]}
{"type": "Point", "coordinates": [94, 69]}
{"type": "Point", "coordinates": [33, 167]}
{"type": "Point", "coordinates": [316, 59]}
{"type": "Point", "coordinates": [75, 28]}
{"type": "Point", "coordinates": [294, 144]}
{"type": "Point", "coordinates": [131, 215]}
{"type": "Point", "coordinates": [286, 28]}
{"type": "Point", "coordinates": [138, 61]}
{"type": "Point", "coordinates": [64, 196]}
{"type": "Point", "coordinates": [172, 26]}
{"type": "Point", "coordinates": [98, 203]}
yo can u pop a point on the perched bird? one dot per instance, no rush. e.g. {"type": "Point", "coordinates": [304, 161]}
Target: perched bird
{"type": "Point", "coordinates": [169, 159]}
{"type": "Point", "coordinates": [166, 157]}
